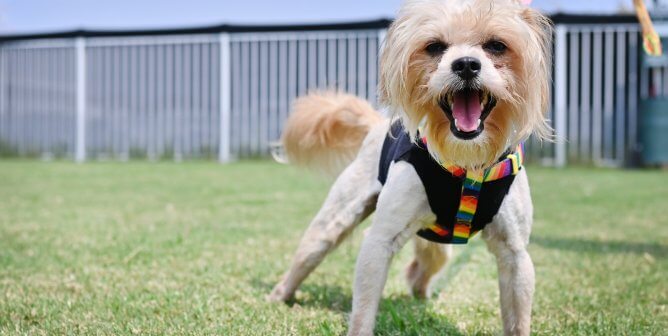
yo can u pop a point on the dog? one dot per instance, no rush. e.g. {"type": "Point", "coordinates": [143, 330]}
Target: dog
{"type": "Point", "coordinates": [465, 83]}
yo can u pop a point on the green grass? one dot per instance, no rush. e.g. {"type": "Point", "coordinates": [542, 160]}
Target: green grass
{"type": "Point", "coordinates": [108, 248]}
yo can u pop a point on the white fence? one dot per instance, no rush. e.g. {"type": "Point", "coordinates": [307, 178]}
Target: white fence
{"type": "Point", "coordinates": [596, 94]}
{"type": "Point", "coordinates": [225, 93]}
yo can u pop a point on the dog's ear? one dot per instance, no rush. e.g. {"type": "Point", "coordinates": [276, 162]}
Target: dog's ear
{"type": "Point", "coordinates": [538, 63]}
{"type": "Point", "coordinates": [393, 66]}
{"type": "Point", "coordinates": [394, 82]}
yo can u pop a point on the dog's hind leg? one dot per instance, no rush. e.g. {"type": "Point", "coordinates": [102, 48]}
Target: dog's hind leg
{"type": "Point", "coordinates": [427, 264]}
{"type": "Point", "coordinates": [507, 238]}
{"type": "Point", "coordinates": [351, 200]}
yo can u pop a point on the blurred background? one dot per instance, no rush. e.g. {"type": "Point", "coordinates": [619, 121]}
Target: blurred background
{"type": "Point", "coordinates": [117, 80]}
{"type": "Point", "coordinates": [130, 243]}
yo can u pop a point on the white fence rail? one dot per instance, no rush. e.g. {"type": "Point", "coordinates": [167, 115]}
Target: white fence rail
{"type": "Point", "coordinates": [597, 92]}
{"type": "Point", "coordinates": [38, 98]}
{"type": "Point", "coordinates": [270, 70]}
{"type": "Point", "coordinates": [227, 94]}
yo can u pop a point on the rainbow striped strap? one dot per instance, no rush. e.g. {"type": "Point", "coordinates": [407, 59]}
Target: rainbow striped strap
{"type": "Point", "coordinates": [472, 184]}
{"type": "Point", "coordinates": [468, 206]}
{"type": "Point", "coordinates": [510, 166]}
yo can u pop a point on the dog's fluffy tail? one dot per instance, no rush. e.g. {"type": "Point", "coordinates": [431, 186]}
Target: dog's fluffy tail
{"type": "Point", "coordinates": [326, 130]}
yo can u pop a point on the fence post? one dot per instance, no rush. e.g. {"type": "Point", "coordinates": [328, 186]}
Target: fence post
{"type": "Point", "coordinates": [382, 34]}
{"type": "Point", "coordinates": [560, 86]}
{"type": "Point", "coordinates": [4, 127]}
{"type": "Point", "coordinates": [224, 155]}
{"type": "Point", "coordinates": [80, 155]}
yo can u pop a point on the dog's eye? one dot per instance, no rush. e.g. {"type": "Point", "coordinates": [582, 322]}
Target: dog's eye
{"type": "Point", "coordinates": [495, 47]}
{"type": "Point", "coordinates": [436, 48]}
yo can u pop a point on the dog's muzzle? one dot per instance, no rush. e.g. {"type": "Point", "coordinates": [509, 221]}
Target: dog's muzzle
{"type": "Point", "coordinates": [467, 110]}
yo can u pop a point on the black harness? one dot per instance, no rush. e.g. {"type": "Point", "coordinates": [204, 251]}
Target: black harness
{"type": "Point", "coordinates": [444, 190]}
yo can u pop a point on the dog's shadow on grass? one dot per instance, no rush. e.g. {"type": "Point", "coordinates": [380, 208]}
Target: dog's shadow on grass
{"type": "Point", "coordinates": [398, 314]}
{"type": "Point", "coordinates": [598, 246]}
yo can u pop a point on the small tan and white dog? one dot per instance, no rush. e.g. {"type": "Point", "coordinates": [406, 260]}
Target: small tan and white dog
{"type": "Point", "coordinates": [473, 76]}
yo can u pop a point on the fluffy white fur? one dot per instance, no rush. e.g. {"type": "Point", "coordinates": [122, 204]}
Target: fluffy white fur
{"type": "Point", "coordinates": [413, 82]}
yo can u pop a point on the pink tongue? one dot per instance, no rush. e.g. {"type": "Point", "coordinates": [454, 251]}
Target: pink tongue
{"type": "Point", "coordinates": [466, 109]}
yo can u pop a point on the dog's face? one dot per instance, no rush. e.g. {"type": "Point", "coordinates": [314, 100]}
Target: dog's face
{"type": "Point", "coordinates": [475, 72]}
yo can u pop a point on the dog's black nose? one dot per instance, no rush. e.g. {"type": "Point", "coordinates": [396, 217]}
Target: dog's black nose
{"type": "Point", "coordinates": [467, 68]}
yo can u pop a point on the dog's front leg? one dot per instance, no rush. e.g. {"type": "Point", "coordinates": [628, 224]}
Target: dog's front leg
{"type": "Point", "coordinates": [401, 206]}
{"type": "Point", "coordinates": [516, 287]}
{"type": "Point", "coordinates": [507, 238]}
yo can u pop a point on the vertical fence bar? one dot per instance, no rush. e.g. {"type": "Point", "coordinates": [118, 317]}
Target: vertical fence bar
{"type": "Point", "coordinates": [322, 63]}
{"type": "Point", "coordinates": [20, 77]}
{"type": "Point", "coordinates": [3, 98]}
{"type": "Point", "coordinates": [274, 108]}
{"type": "Point", "coordinates": [332, 62]}
{"type": "Point", "coordinates": [574, 90]}
{"type": "Point", "coordinates": [283, 83]}
{"type": "Point", "coordinates": [609, 98]}
{"type": "Point", "coordinates": [225, 99]}
{"type": "Point", "coordinates": [80, 155]}
{"type": "Point", "coordinates": [210, 117]}
{"type": "Point", "coordinates": [382, 35]}
{"type": "Point", "coordinates": [151, 86]}
{"type": "Point", "coordinates": [596, 132]}
{"type": "Point", "coordinates": [372, 47]}
{"type": "Point", "coordinates": [245, 106]}
{"type": "Point", "coordinates": [254, 134]}
{"type": "Point", "coordinates": [26, 96]}
{"type": "Point", "coordinates": [235, 93]}
{"type": "Point", "coordinates": [585, 94]}
{"type": "Point", "coordinates": [620, 111]}
{"type": "Point", "coordinates": [362, 71]}
{"type": "Point", "coordinates": [644, 82]}
{"type": "Point", "coordinates": [177, 112]}
{"type": "Point", "coordinates": [633, 93]}
{"type": "Point", "coordinates": [186, 107]}
{"type": "Point", "coordinates": [352, 63]}
{"type": "Point", "coordinates": [142, 95]}
{"type": "Point", "coordinates": [560, 86]}
{"type": "Point", "coordinates": [341, 64]}
{"type": "Point", "coordinates": [263, 96]}
{"type": "Point", "coordinates": [312, 64]}
{"type": "Point", "coordinates": [12, 96]}
{"type": "Point", "coordinates": [664, 82]}
{"type": "Point", "coordinates": [93, 116]}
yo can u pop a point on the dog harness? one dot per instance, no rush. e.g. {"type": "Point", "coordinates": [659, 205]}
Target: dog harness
{"type": "Point", "coordinates": [464, 201]}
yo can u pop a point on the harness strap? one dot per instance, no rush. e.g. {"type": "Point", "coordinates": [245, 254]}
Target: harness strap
{"type": "Point", "coordinates": [472, 185]}
{"type": "Point", "coordinates": [468, 206]}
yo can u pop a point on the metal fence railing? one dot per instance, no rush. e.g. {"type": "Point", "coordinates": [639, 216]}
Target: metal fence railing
{"type": "Point", "coordinates": [225, 92]}
{"type": "Point", "coordinates": [37, 97]}
{"type": "Point", "coordinates": [270, 70]}
{"type": "Point", "coordinates": [597, 92]}
{"type": "Point", "coordinates": [201, 95]}
{"type": "Point", "coordinates": [155, 97]}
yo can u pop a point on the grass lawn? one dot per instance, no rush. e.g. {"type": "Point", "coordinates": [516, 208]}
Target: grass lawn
{"type": "Point", "coordinates": [139, 248]}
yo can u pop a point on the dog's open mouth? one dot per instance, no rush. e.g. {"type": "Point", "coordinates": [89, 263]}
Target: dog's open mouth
{"type": "Point", "coordinates": [467, 110]}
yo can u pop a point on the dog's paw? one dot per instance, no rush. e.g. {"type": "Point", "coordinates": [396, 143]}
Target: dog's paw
{"type": "Point", "coordinates": [417, 284]}
{"type": "Point", "coordinates": [279, 295]}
